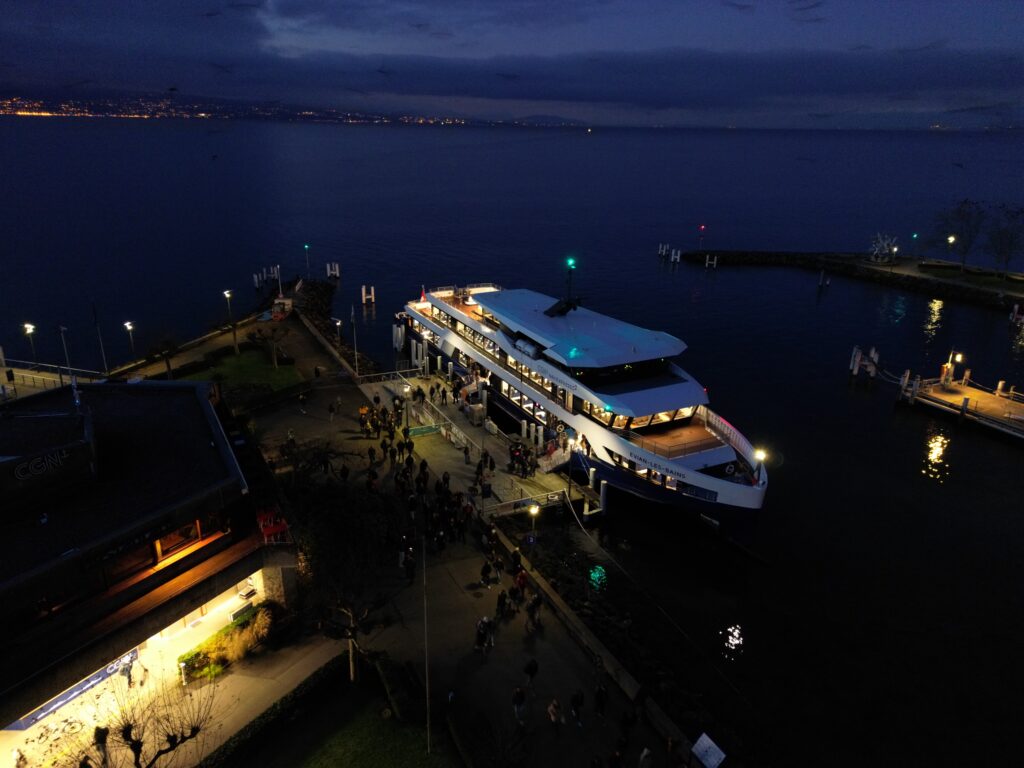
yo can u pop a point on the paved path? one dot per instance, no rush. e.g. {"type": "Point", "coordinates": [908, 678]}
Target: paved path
{"type": "Point", "coordinates": [482, 682]}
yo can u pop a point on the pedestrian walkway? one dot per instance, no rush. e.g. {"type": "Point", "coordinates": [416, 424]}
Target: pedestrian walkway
{"type": "Point", "coordinates": [481, 682]}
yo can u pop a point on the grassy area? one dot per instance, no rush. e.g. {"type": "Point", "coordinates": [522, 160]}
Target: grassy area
{"type": "Point", "coordinates": [370, 741]}
{"type": "Point", "coordinates": [249, 368]}
{"type": "Point", "coordinates": [981, 281]}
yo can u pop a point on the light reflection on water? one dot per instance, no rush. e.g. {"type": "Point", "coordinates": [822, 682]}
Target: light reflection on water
{"type": "Point", "coordinates": [1017, 343]}
{"type": "Point", "coordinates": [732, 642]}
{"type": "Point", "coordinates": [935, 465]}
{"type": "Point", "coordinates": [933, 322]}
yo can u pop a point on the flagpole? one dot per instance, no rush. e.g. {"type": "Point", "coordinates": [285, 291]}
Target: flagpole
{"type": "Point", "coordinates": [103, 352]}
{"type": "Point", "coordinates": [355, 343]}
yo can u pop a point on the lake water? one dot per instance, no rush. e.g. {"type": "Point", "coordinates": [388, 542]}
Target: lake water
{"type": "Point", "coordinates": [884, 617]}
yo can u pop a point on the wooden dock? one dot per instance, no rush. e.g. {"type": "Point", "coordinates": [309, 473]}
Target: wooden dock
{"type": "Point", "coordinates": [1001, 408]}
{"type": "Point", "coordinates": [1003, 412]}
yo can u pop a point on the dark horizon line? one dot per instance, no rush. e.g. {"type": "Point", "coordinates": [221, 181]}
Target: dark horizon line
{"type": "Point", "coordinates": [299, 113]}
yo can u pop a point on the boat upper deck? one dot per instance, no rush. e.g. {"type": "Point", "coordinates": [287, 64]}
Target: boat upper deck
{"type": "Point", "coordinates": [681, 440]}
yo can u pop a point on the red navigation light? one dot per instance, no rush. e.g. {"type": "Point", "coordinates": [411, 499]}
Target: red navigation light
{"type": "Point", "coordinates": [702, 227]}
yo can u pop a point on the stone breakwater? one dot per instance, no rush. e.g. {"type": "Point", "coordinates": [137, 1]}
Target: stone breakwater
{"type": "Point", "coordinates": [905, 274]}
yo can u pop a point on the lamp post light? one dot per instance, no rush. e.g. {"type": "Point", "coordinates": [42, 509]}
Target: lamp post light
{"type": "Point", "coordinates": [131, 338]}
{"type": "Point", "coordinates": [305, 247]}
{"type": "Point", "coordinates": [231, 322]}
{"type": "Point", "coordinates": [337, 324]}
{"type": "Point", "coordinates": [759, 456]}
{"type": "Point", "coordinates": [29, 330]}
{"type": "Point", "coordinates": [67, 359]}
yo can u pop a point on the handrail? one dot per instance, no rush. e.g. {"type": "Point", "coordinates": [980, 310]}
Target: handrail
{"type": "Point", "coordinates": [670, 450]}
{"type": "Point", "coordinates": [728, 433]}
{"type": "Point", "coordinates": [26, 365]}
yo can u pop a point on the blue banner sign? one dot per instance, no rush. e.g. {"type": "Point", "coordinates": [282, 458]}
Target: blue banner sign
{"type": "Point", "coordinates": [120, 664]}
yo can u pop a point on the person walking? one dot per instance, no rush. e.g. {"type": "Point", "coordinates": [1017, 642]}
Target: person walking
{"type": "Point", "coordinates": [499, 568]}
{"type": "Point", "coordinates": [518, 700]}
{"type": "Point", "coordinates": [600, 699]}
{"type": "Point", "coordinates": [533, 613]}
{"type": "Point", "coordinates": [410, 567]}
{"type": "Point", "coordinates": [555, 715]}
{"type": "Point", "coordinates": [465, 453]}
{"type": "Point", "coordinates": [485, 575]}
{"type": "Point", "coordinates": [302, 403]}
{"type": "Point", "coordinates": [444, 396]}
{"type": "Point", "coordinates": [330, 412]}
{"type": "Point", "coordinates": [502, 607]}
{"type": "Point", "coordinates": [576, 707]}
{"type": "Point", "coordinates": [371, 454]}
{"type": "Point", "coordinates": [530, 670]}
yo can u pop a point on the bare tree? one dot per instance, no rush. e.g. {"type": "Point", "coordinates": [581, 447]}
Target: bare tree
{"type": "Point", "coordinates": [273, 337]}
{"type": "Point", "coordinates": [1006, 236]}
{"type": "Point", "coordinates": [164, 725]}
{"type": "Point", "coordinates": [347, 545]}
{"type": "Point", "coordinates": [960, 226]}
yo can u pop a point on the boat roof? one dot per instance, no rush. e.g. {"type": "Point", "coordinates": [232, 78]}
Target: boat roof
{"type": "Point", "coordinates": [580, 338]}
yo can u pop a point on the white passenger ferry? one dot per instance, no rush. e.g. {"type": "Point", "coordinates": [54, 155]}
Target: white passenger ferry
{"type": "Point", "coordinates": [638, 419]}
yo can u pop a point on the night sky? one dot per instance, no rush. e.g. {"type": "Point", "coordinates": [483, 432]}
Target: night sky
{"type": "Point", "coordinates": [744, 63]}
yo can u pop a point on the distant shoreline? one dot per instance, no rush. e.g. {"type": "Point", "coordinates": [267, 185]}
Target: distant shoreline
{"type": "Point", "coordinates": [919, 275]}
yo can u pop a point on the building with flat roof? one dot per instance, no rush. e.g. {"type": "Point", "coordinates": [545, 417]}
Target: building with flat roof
{"type": "Point", "coordinates": [129, 536]}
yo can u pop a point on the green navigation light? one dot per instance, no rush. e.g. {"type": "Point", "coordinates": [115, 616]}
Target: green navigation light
{"type": "Point", "coordinates": [570, 262]}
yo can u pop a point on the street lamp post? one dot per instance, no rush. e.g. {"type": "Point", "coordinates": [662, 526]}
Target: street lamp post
{"type": "Point", "coordinates": [29, 330]}
{"type": "Point", "coordinates": [570, 265]}
{"type": "Point", "coordinates": [231, 322]}
{"type": "Point", "coordinates": [337, 324]}
{"type": "Point", "coordinates": [306, 249]}
{"type": "Point", "coordinates": [67, 359]}
{"type": "Point", "coordinates": [131, 338]}
{"type": "Point", "coordinates": [950, 241]}
{"type": "Point", "coordinates": [534, 511]}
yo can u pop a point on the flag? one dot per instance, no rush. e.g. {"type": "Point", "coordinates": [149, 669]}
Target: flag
{"type": "Point", "coordinates": [423, 293]}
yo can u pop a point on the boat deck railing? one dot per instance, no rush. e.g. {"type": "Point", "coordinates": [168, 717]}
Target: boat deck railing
{"type": "Point", "coordinates": [670, 450]}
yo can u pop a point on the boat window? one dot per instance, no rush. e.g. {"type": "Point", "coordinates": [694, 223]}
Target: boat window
{"type": "Point", "coordinates": [670, 482]}
{"type": "Point", "coordinates": [585, 406]}
{"type": "Point", "coordinates": [641, 421]}
{"type": "Point", "coordinates": [605, 417]}
{"type": "Point", "coordinates": [504, 388]}
{"type": "Point", "coordinates": [620, 422]}
{"type": "Point", "coordinates": [684, 413]}
{"type": "Point", "coordinates": [661, 418]}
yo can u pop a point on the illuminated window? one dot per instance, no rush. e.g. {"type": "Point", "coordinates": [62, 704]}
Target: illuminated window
{"type": "Point", "coordinates": [661, 418]}
{"type": "Point", "coordinates": [620, 422]}
{"type": "Point", "coordinates": [641, 421]}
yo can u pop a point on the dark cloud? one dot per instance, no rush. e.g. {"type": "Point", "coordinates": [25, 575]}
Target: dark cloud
{"type": "Point", "coordinates": [239, 54]}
